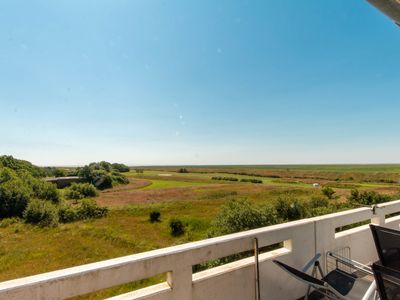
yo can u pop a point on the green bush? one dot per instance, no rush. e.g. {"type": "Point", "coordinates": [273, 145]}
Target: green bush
{"type": "Point", "coordinates": [177, 227]}
{"type": "Point", "coordinates": [322, 210]}
{"type": "Point", "coordinates": [88, 209]}
{"type": "Point", "coordinates": [120, 167]}
{"type": "Point", "coordinates": [118, 178]}
{"type": "Point", "coordinates": [105, 166]}
{"type": "Point", "coordinates": [14, 194]}
{"type": "Point", "coordinates": [8, 221]}
{"type": "Point", "coordinates": [328, 192]}
{"type": "Point", "coordinates": [154, 216]}
{"type": "Point", "coordinates": [224, 178]}
{"type": "Point", "coordinates": [41, 212]}
{"type": "Point", "coordinates": [251, 180]}
{"type": "Point", "coordinates": [21, 165]}
{"type": "Point", "coordinates": [316, 202]}
{"type": "Point", "coordinates": [67, 214]}
{"type": "Point", "coordinates": [289, 210]}
{"type": "Point", "coordinates": [239, 215]}
{"type": "Point", "coordinates": [368, 197]}
{"type": "Point", "coordinates": [102, 180]}
{"type": "Point", "coordinates": [54, 172]}
{"type": "Point", "coordinates": [46, 191]}
{"type": "Point", "coordinates": [80, 190]}
{"type": "Point", "coordinates": [85, 173]}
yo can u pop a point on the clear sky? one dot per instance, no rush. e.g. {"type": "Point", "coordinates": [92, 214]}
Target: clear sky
{"type": "Point", "coordinates": [198, 82]}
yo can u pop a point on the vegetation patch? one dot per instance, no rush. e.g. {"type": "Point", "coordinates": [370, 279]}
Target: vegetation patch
{"type": "Point", "coordinates": [79, 191]}
{"type": "Point", "coordinates": [251, 180]}
{"type": "Point", "coordinates": [177, 227]}
{"type": "Point", "coordinates": [154, 216]}
{"type": "Point", "coordinates": [224, 178]}
{"type": "Point", "coordinates": [368, 197]}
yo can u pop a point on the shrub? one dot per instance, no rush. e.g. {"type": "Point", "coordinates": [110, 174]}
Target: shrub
{"type": "Point", "coordinates": [328, 192]}
{"type": "Point", "coordinates": [154, 216]}
{"type": "Point", "coordinates": [177, 227]}
{"type": "Point", "coordinates": [105, 166]}
{"type": "Point", "coordinates": [322, 210]}
{"type": "Point", "coordinates": [80, 190]}
{"type": "Point", "coordinates": [21, 165]}
{"type": "Point", "coordinates": [316, 202]}
{"type": "Point", "coordinates": [46, 191]}
{"type": "Point", "coordinates": [14, 195]}
{"type": "Point", "coordinates": [102, 180]}
{"type": "Point", "coordinates": [251, 180]}
{"type": "Point", "coordinates": [89, 209]}
{"type": "Point", "coordinates": [119, 178]}
{"type": "Point", "coordinates": [67, 214]}
{"type": "Point", "coordinates": [183, 170]}
{"type": "Point", "coordinates": [41, 212]}
{"type": "Point", "coordinates": [8, 221]}
{"type": "Point", "coordinates": [289, 210]}
{"type": "Point", "coordinates": [54, 172]}
{"type": "Point", "coordinates": [367, 197]}
{"type": "Point", "coordinates": [85, 173]}
{"type": "Point", "coordinates": [224, 178]}
{"type": "Point", "coordinates": [102, 174]}
{"type": "Point", "coordinates": [120, 167]}
{"type": "Point", "coordinates": [239, 215]}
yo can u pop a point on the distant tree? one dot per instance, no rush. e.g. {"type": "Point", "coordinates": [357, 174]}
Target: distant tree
{"type": "Point", "coordinates": [104, 165]}
{"type": "Point", "coordinates": [102, 175]}
{"type": "Point", "coordinates": [183, 170]}
{"type": "Point", "coordinates": [59, 172]}
{"type": "Point", "coordinates": [120, 167]}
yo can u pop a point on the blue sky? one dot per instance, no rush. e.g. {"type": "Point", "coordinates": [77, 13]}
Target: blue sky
{"type": "Point", "coordinates": [198, 82]}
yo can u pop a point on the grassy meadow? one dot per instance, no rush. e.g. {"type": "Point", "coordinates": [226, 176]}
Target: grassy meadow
{"type": "Point", "coordinates": [193, 197]}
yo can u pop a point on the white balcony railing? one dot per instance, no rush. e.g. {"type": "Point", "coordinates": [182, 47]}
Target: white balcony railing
{"type": "Point", "coordinates": [234, 281]}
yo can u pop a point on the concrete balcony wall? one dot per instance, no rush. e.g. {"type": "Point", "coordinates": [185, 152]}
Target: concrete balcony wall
{"type": "Point", "coordinates": [233, 281]}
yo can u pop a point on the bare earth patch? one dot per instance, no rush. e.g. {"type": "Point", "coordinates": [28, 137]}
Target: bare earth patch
{"type": "Point", "coordinates": [125, 196]}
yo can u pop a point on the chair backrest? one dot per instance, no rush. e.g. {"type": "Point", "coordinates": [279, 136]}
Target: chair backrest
{"type": "Point", "coordinates": [304, 277]}
{"type": "Point", "coordinates": [388, 282]}
{"type": "Point", "coordinates": [387, 242]}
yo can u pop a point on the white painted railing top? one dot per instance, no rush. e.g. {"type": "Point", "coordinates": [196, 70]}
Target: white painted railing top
{"type": "Point", "coordinates": [300, 239]}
